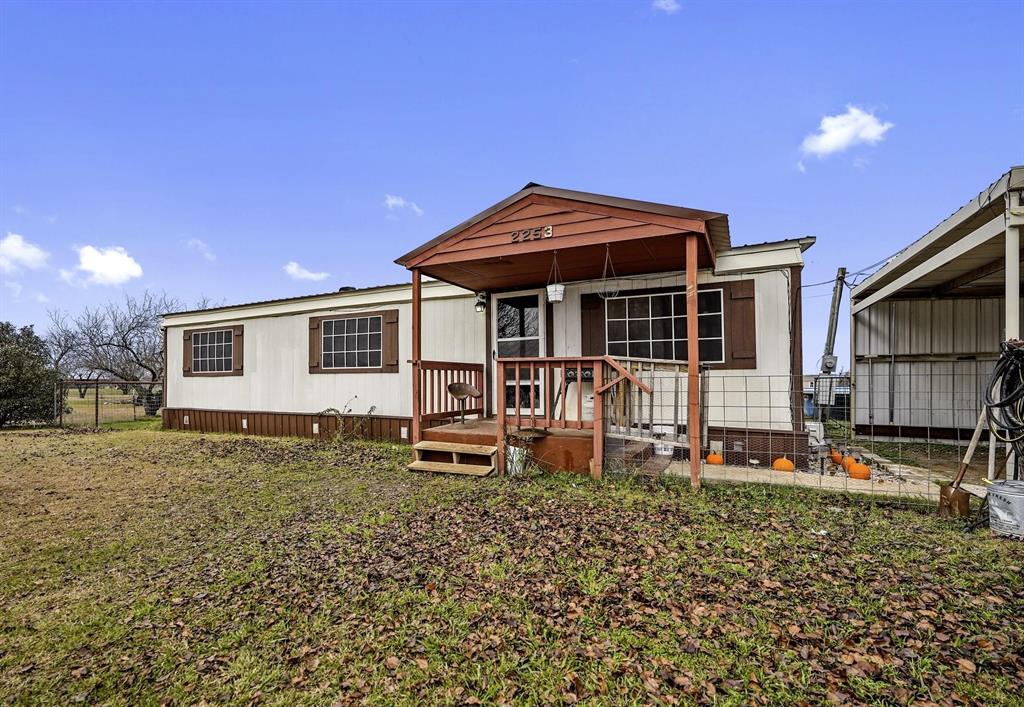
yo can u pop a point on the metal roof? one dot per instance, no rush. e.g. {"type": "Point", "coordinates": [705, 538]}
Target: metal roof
{"type": "Point", "coordinates": [717, 224]}
{"type": "Point", "coordinates": [979, 211]}
{"type": "Point", "coordinates": [298, 298]}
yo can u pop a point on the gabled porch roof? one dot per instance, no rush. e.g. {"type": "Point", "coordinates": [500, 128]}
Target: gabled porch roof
{"type": "Point", "coordinates": [511, 244]}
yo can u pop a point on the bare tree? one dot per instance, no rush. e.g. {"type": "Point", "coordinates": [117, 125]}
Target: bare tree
{"type": "Point", "coordinates": [64, 345]}
{"type": "Point", "coordinates": [121, 340]}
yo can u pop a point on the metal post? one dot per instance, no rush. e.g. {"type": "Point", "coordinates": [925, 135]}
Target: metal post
{"type": "Point", "coordinates": [1014, 223]}
{"type": "Point", "coordinates": [97, 405]}
{"type": "Point", "coordinates": [1014, 218]}
{"type": "Point", "coordinates": [60, 401]}
{"type": "Point", "coordinates": [693, 361]}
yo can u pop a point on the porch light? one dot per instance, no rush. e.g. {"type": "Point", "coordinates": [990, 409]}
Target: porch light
{"type": "Point", "coordinates": [481, 302]}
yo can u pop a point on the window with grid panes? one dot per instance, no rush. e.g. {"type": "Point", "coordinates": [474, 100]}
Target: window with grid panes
{"type": "Point", "coordinates": [654, 326]}
{"type": "Point", "coordinates": [353, 342]}
{"type": "Point", "coordinates": [211, 351]}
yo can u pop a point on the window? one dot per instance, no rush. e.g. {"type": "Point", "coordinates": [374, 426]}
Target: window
{"type": "Point", "coordinates": [654, 326]}
{"type": "Point", "coordinates": [361, 342]}
{"type": "Point", "coordinates": [213, 352]}
{"type": "Point", "coordinates": [518, 326]}
{"type": "Point", "coordinates": [354, 342]}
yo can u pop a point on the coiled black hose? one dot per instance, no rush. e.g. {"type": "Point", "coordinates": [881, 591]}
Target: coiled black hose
{"type": "Point", "coordinates": [1004, 400]}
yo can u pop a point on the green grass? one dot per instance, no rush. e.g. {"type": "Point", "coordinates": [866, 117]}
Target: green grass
{"type": "Point", "coordinates": [142, 566]}
{"type": "Point", "coordinates": [143, 423]}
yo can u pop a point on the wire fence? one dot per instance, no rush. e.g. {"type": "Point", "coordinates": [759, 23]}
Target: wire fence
{"type": "Point", "coordinates": [904, 440]}
{"type": "Point", "coordinates": [92, 403]}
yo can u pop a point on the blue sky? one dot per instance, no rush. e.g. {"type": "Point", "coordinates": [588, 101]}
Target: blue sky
{"type": "Point", "coordinates": [201, 148]}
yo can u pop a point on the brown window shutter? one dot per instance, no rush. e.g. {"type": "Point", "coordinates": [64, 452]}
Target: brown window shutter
{"type": "Point", "coordinates": [389, 342]}
{"type": "Point", "coordinates": [237, 347]}
{"type": "Point", "coordinates": [740, 325]}
{"type": "Point", "coordinates": [186, 356]}
{"type": "Point", "coordinates": [592, 338]}
{"type": "Point", "coordinates": [315, 342]}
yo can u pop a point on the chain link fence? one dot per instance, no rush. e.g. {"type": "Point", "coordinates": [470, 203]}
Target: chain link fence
{"type": "Point", "coordinates": [92, 403]}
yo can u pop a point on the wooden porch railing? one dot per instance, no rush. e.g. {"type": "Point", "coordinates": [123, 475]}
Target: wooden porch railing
{"type": "Point", "coordinates": [539, 395]}
{"type": "Point", "coordinates": [435, 402]}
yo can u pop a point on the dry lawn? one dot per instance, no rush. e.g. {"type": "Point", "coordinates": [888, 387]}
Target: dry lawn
{"type": "Point", "coordinates": [145, 567]}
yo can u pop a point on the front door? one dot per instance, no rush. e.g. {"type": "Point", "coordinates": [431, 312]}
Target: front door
{"type": "Point", "coordinates": [519, 332]}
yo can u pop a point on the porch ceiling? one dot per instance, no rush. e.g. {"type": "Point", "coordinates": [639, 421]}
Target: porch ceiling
{"type": "Point", "coordinates": [531, 269]}
{"type": "Point", "coordinates": [511, 245]}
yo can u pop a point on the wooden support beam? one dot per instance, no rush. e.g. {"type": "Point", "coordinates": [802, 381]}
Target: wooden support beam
{"type": "Point", "coordinates": [693, 362]}
{"type": "Point", "coordinates": [417, 353]}
{"type": "Point", "coordinates": [598, 422]}
{"type": "Point", "coordinates": [500, 409]}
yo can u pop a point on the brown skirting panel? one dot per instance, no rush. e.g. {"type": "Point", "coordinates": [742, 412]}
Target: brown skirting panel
{"type": "Point", "coordinates": [287, 424]}
{"type": "Point", "coordinates": [740, 445]}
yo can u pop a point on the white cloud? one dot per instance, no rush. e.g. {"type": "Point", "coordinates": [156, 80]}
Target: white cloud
{"type": "Point", "coordinates": [15, 288]}
{"type": "Point", "coordinates": [20, 210]}
{"type": "Point", "coordinates": [202, 248]}
{"type": "Point", "coordinates": [41, 298]}
{"type": "Point", "coordinates": [297, 272]}
{"type": "Point", "coordinates": [398, 203]}
{"type": "Point", "coordinates": [669, 7]}
{"type": "Point", "coordinates": [840, 132]}
{"type": "Point", "coordinates": [17, 253]}
{"type": "Point", "coordinates": [106, 266]}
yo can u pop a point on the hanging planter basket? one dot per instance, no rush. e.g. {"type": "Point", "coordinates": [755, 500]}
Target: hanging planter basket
{"type": "Point", "coordinates": [556, 290]}
{"type": "Point", "coordinates": [609, 287]}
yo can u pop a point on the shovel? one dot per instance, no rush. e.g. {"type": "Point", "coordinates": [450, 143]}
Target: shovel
{"type": "Point", "coordinates": [953, 502]}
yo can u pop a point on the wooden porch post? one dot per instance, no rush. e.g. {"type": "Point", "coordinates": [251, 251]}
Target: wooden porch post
{"type": "Point", "coordinates": [692, 361]}
{"type": "Point", "coordinates": [598, 421]}
{"type": "Point", "coordinates": [416, 355]}
{"type": "Point", "coordinates": [500, 408]}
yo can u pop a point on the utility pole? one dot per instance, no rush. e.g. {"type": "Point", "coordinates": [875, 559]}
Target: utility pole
{"type": "Point", "coordinates": [828, 358]}
{"type": "Point", "coordinates": [824, 387]}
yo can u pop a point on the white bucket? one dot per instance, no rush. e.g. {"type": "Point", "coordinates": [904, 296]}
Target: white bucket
{"type": "Point", "coordinates": [1006, 508]}
{"type": "Point", "coordinates": [515, 460]}
{"type": "Point", "coordinates": [556, 293]}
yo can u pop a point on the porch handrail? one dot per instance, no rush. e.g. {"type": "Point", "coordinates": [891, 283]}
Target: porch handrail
{"type": "Point", "coordinates": [547, 399]}
{"type": "Point", "coordinates": [623, 375]}
{"type": "Point", "coordinates": [436, 403]}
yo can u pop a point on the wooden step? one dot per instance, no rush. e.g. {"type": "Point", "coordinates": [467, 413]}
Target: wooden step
{"type": "Point", "coordinates": [457, 447]}
{"type": "Point", "coordinates": [449, 468]}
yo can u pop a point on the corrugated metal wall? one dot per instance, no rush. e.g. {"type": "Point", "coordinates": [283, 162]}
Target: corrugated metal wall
{"type": "Point", "coordinates": [924, 362]}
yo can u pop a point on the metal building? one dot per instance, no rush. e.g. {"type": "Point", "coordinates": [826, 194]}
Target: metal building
{"type": "Point", "coordinates": [926, 327]}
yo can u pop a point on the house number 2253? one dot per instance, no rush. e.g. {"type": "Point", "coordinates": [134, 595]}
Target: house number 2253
{"type": "Point", "coordinates": [532, 234]}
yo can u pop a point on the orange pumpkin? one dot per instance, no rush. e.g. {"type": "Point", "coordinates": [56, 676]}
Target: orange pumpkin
{"type": "Point", "coordinates": [847, 460]}
{"type": "Point", "coordinates": [783, 464]}
{"type": "Point", "coordinates": [857, 470]}
{"type": "Point", "coordinates": [835, 456]}
{"type": "Point", "coordinates": [715, 458]}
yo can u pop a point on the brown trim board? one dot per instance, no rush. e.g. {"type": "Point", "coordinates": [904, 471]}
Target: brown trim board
{"type": "Point", "coordinates": [287, 424]}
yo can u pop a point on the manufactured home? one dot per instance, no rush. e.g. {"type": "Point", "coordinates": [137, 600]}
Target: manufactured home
{"type": "Point", "coordinates": [604, 327]}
